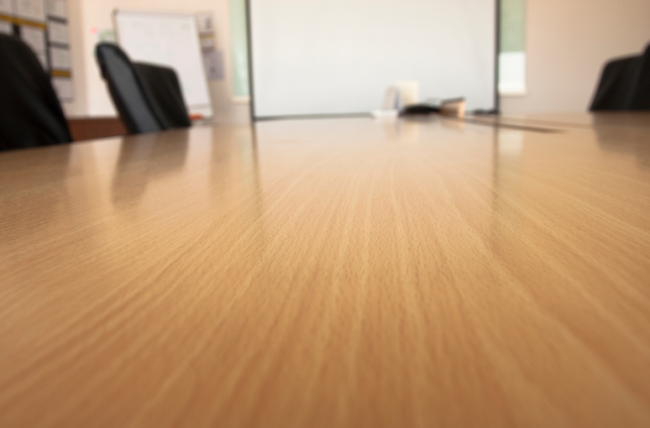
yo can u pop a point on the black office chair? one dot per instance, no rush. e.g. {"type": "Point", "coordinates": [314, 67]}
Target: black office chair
{"type": "Point", "coordinates": [163, 85]}
{"type": "Point", "coordinates": [141, 96]}
{"type": "Point", "coordinates": [30, 112]}
{"type": "Point", "coordinates": [641, 100]}
{"type": "Point", "coordinates": [624, 85]}
{"type": "Point", "coordinates": [130, 96]}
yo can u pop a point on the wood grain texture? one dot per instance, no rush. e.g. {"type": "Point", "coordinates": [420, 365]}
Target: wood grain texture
{"type": "Point", "coordinates": [328, 273]}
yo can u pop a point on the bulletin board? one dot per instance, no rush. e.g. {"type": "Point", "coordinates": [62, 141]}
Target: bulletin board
{"type": "Point", "coordinates": [43, 25]}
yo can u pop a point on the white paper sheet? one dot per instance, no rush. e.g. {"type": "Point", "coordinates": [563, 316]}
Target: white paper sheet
{"type": "Point", "coordinates": [6, 7]}
{"type": "Point", "coordinates": [58, 32]}
{"type": "Point", "coordinates": [63, 88]}
{"type": "Point", "coordinates": [33, 10]}
{"type": "Point", "coordinates": [34, 37]}
{"type": "Point", "coordinates": [6, 27]}
{"type": "Point", "coordinates": [57, 8]}
{"type": "Point", "coordinates": [60, 59]}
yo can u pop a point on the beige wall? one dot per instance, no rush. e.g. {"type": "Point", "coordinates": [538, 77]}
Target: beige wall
{"type": "Point", "coordinates": [568, 41]}
{"type": "Point", "coordinates": [91, 96]}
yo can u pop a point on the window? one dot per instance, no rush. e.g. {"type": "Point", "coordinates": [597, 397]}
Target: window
{"type": "Point", "coordinates": [238, 33]}
{"type": "Point", "coordinates": [512, 49]}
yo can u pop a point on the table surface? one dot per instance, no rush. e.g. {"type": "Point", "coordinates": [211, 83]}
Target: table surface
{"type": "Point", "coordinates": [330, 273]}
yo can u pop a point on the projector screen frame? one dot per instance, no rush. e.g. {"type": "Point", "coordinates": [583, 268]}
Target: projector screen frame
{"type": "Point", "coordinates": [251, 84]}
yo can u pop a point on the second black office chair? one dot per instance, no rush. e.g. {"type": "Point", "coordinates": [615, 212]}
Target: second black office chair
{"type": "Point", "coordinates": [165, 89]}
{"type": "Point", "coordinates": [624, 84]}
{"type": "Point", "coordinates": [147, 97]}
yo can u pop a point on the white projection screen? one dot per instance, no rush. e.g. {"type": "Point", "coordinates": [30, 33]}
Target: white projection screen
{"type": "Point", "coordinates": [329, 57]}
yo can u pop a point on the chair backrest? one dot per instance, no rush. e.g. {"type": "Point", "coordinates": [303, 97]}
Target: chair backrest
{"type": "Point", "coordinates": [641, 99]}
{"type": "Point", "coordinates": [624, 84]}
{"type": "Point", "coordinates": [617, 85]}
{"type": "Point", "coordinates": [128, 91]}
{"type": "Point", "coordinates": [164, 87]}
{"type": "Point", "coordinates": [30, 112]}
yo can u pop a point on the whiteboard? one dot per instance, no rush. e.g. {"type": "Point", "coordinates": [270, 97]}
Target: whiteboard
{"type": "Point", "coordinates": [171, 40]}
{"type": "Point", "coordinates": [312, 57]}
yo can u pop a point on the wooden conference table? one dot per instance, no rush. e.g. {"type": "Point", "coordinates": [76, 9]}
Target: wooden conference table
{"type": "Point", "coordinates": [330, 273]}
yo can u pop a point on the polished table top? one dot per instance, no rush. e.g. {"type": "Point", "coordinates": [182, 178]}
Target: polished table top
{"type": "Point", "coordinates": [329, 273]}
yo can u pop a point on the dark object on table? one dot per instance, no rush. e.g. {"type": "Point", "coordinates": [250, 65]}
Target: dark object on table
{"type": "Point", "coordinates": [449, 107]}
{"type": "Point", "coordinates": [419, 109]}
